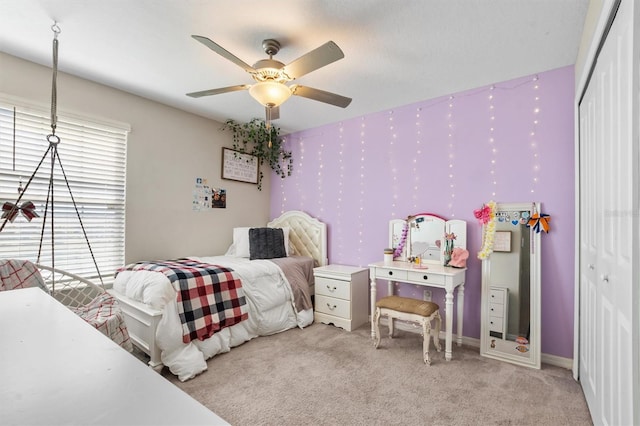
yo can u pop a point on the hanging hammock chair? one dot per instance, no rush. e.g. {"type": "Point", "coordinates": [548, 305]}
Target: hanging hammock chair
{"type": "Point", "coordinates": [87, 299]}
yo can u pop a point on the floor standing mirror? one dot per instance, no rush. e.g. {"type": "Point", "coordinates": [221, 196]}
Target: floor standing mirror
{"type": "Point", "coordinates": [510, 329]}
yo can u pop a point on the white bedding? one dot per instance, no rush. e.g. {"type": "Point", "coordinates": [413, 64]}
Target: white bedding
{"type": "Point", "coordinates": [269, 298]}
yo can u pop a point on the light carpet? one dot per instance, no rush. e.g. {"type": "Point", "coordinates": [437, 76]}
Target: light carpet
{"type": "Point", "coordinates": [323, 375]}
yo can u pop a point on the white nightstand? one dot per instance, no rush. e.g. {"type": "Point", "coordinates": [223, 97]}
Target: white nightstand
{"type": "Point", "coordinates": [342, 295]}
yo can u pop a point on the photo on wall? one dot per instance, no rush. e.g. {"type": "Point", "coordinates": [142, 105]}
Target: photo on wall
{"type": "Point", "coordinates": [218, 198]}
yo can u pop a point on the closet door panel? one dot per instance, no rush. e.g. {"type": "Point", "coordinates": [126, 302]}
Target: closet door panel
{"type": "Point", "coordinates": [606, 232]}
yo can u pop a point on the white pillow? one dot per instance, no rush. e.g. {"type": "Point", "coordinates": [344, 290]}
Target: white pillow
{"type": "Point", "coordinates": [241, 242]}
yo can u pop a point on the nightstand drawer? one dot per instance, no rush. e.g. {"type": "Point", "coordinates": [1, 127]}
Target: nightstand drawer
{"type": "Point", "coordinates": [333, 288]}
{"type": "Point", "coordinates": [425, 277]}
{"type": "Point", "coordinates": [391, 274]}
{"type": "Point", "coordinates": [332, 306]}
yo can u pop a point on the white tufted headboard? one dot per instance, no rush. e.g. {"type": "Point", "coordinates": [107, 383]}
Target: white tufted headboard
{"type": "Point", "coordinates": [307, 234]}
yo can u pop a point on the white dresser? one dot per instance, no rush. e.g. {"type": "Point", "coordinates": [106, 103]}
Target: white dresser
{"type": "Point", "coordinates": [341, 296]}
{"type": "Point", "coordinates": [498, 311]}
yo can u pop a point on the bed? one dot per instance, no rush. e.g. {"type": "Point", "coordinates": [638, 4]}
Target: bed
{"type": "Point", "coordinates": [275, 299]}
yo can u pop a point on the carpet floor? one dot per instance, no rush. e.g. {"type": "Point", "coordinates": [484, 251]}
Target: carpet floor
{"type": "Point", "coordinates": [323, 375]}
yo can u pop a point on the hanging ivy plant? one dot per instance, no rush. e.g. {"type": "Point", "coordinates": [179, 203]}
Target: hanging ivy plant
{"type": "Point", "coordinates": [266, 144]}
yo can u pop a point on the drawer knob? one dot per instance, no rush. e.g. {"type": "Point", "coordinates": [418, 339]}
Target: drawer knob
{"type": "Point", "coordinates": [491, 322]}
{"type": "Point", "coordinates": [390, 272]}
{"type": "Point", "coordinates": [492, 309]}
{"type": "Point", "coordinates": [332, 289]}
{"type": "Point", "coordinates": [425, 277]}
{"type": "Point", "coordinates": [331, 308]}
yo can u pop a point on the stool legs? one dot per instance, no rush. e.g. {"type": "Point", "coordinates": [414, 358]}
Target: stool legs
{"type": "Point", "coordinates": [376, 321]}
{"type": "Point", "coordinates": [436, 334]}
{"type": "Point", "coordinates": [426, 329]}
{"type": "Point", "coordinates": [426, 339]}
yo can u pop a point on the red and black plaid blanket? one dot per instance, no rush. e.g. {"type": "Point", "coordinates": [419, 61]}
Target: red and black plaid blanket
{"type": "Point", "coordinates": [210, 297]}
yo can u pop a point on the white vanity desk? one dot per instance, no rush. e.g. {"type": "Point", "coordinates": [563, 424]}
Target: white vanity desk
{"type": "Point", "coordinates": [58, 370]}
{"type": "Point", "coordinates": [434, 276]}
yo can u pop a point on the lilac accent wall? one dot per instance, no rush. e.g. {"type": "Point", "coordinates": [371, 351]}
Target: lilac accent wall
{"type": "Point", "coordinates": [510, 142]}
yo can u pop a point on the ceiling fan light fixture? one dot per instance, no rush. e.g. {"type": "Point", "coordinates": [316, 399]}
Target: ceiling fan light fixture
{"type": "Point", "coordinates": [269, 93]}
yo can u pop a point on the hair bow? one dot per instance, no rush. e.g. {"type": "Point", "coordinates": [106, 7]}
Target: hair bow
{"type": "Point", "coordinates": [10, 210]}
{"type": "Point", "coordinates": [483, 215]}
{"type": "Point", "coordinates": [539, 220]}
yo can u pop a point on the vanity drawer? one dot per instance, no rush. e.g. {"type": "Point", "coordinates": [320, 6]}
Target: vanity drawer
{"type": "Point", "coordinates": [333, 288]}
{"type": "Point", "coordinates": [496, 309]}
{"type": "Point", "coordinates": [496, 296]}
{"type": "Point", "coordinates": [425, 277]}
{"type": "Point", "coordinates": [391, 274]}
{"type": "Point", "coordinates": [332, 306]}
{"type": "Point", "coordinates": [496, 324]}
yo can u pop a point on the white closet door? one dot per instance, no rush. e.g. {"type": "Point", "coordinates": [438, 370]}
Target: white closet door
{"type": "Point", "coordinates": [607, 218]}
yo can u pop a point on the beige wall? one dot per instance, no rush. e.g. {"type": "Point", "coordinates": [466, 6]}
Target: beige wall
{"type": "Point", "coordinates": [167, 149]}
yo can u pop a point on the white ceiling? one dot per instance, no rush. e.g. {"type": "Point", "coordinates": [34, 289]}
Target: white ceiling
{"type": "Point", "coordinates": [396, 53]}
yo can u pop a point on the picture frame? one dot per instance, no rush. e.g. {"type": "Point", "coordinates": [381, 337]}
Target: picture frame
{"type": "Point", "coordinates": [502, 241]}
{"type": "Point", "coordinates": [239, 166]}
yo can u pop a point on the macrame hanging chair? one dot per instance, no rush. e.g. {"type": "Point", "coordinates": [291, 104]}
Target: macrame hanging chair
{"type": "Point", "coordinates": [87, 299]}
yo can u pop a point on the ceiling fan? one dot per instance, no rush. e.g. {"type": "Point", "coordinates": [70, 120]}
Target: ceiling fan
{"type": "Point", "coordinates": [271, 76]}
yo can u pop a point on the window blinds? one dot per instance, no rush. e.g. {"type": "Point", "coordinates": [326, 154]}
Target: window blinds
{"type": "Point", "coordinates": [93, 157]}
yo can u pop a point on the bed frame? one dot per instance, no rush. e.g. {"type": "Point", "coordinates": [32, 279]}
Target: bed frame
{"type": "Point", "coordinates": [307, 235]}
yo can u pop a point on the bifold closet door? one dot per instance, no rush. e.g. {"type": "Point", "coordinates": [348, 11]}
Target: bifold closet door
{"type": "Point", "coordinates": [607, 256]}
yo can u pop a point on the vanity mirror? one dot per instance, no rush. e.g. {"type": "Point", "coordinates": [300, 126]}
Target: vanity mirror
{"type": "Point", "coordinates": [423, 235]}
{"type": "Point", "coordinates": [510, 329]}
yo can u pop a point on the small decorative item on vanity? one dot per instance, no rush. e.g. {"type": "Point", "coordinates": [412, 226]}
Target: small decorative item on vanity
{"type": "Point", "coordinates": [448, 247]}
{"type": "Point", "coordinates": [388, 256]}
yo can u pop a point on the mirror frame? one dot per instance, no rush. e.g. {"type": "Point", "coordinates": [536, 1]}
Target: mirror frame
{"type": "Point", "coordinates": [534, 360]}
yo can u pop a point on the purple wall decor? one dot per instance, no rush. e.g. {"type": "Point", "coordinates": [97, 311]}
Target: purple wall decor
{"type": "Point", "coordinates": [509, 142]}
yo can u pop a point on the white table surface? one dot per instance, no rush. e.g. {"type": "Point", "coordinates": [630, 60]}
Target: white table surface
{"type": "Point", "coordinates": [55, 369]}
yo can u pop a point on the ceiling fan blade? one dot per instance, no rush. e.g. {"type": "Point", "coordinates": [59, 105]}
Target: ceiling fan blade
{"type": "Point", "coordinates": [317, 58]}
{"type": "Point", "coordinates": [320, 95]}
{"type": "Point", "coordinates": [218, 91]}
{"type": "Point", "coordinates": [225, 53]}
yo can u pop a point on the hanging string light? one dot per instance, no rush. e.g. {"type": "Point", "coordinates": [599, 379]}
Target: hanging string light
{"type": "Point", "coordinates": [320, 186]}
{"type": "Point", "coordinates": [340, 240]}
{"type": "Point", "coordinates": [417, 159]}
{"type": "Point", "coordinates": [492, 143]}
{"type": "Point", "coordinates": [362, 186]}
{"type": "Point", "coordinates": [533, 137]}
{"type": "Point", "coordinates": [391, 145]}
{"type": "Point", "coordinates": [451, 156]}
{"type": "Point", "coordinates": [300, 171]}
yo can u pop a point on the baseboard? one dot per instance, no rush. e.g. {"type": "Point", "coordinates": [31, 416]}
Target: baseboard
{"type": "Point", "coordinates": [556, 361]}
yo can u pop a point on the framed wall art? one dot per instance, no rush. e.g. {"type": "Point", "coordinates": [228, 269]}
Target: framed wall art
{"type": "Point", "coordinates": [502, 241]}
{"type": "Point", "coordinates": [239, 166]}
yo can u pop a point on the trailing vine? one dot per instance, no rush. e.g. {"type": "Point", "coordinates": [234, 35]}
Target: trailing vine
{"type": "Point", "coordinates": [266, 144]}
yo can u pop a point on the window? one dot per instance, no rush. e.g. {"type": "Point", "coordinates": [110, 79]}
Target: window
{"type": "Point", "coordinates": [93, 158]}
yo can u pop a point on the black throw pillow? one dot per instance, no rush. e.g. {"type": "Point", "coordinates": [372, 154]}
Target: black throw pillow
{"type": "Point", "coordinates": [266, 243]}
